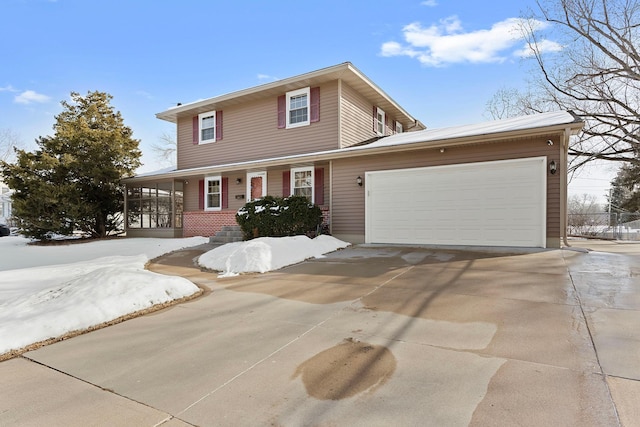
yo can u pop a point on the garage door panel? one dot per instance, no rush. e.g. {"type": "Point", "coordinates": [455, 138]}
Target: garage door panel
{"type": "Point", "coordinates": [491, 203]}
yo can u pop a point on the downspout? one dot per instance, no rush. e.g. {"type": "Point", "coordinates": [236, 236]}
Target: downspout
{"type": "Point", "coordinates": [331, 197]}
{"type": "Point", "coordinates": [564, 210]}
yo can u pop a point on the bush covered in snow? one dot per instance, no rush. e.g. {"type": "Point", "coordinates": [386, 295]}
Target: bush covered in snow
{"type": "Point", "coordinates": [277, 217]}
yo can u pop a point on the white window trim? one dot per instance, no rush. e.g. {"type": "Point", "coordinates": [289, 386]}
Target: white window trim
{"type": "Point", "coordinates": [289, 95]}
{"type": "Point", "coordinates": [380, 121]}
{"type": "Point", "coordinates": [250, 175]}
{"type": "Point", "coordinates": [313, 180]}
{"type": "Point", "coordinates": [200, 117]}
{"type": "Point", "coordinates": [206, 193]}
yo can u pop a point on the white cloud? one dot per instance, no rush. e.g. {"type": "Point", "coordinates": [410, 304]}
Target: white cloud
{"type": "Point", "coordinates": [29, 97]}
{"type": "Point", "coordinates": [447, 43]}
{"type": "Point", "coordinates": [266, 77]}
{"type": "Point", "coordinates": [8, 88]}
{"type": "Point", "coordinates": [544, 46]}
{"type": "Point", "coordinates": [430, 3]}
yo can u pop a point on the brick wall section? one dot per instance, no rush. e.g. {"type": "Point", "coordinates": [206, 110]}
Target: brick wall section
{"type": "Point", "coordinates": [326, 216]}
{"type": "Point", "coordinates": [207, 224]}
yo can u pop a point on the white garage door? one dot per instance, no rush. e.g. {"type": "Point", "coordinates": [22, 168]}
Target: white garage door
{"type": "Point", "coordinates": [501, 203]}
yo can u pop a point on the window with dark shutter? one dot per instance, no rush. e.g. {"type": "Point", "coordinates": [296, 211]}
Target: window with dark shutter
{"type": "Point", "coordinates": [314, 104]}
{"type": "Point", "coordinates": [282, 112]}
{"type": "Point", "coordinates": [218, 125]}
{"type": "Point", "coordinates": [225, 193]}
{"type": "Point", "coordinates": [286, 183]}
{"type": "Point", "coordinates": [196, 130]}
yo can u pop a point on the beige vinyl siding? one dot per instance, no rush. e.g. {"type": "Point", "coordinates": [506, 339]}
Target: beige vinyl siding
{"type": "Point", "coordinates": [357, 117]}
{"type": "Point", "coordinates": [348, 208]}
{"type": "Point", "coordinates": [250, 132]}
{"type": "Point", "coordinates": [191, 196]}
{"type": "Point", "coordinates": [236, 190]}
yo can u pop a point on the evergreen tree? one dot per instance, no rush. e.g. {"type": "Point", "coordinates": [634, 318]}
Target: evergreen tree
{"type": "Point", "coordinates": [626, 188]}
{"type": "Point", "coordinates": [73, 180]}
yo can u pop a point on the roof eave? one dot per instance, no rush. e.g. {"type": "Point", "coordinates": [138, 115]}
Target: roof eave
{"type": "Point", "coordinates": [345, 70]}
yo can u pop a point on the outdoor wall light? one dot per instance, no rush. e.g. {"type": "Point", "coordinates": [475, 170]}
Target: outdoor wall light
{"type": "Point", "coordinates": [359, 181]}
{"type": "Point", "coordinates": [239, 181]}
{"type": "Point", "coordinates": [186, 182]}
{"type": "Point", "coordinates": [549, 143]}
{"type": "Point", "coordinates": [442, 150]}
{"type": "Point", "coordinates": [553, 167]}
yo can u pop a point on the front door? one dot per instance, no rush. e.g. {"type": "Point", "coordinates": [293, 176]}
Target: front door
{"type": "Point", "coordinates": [256, 185]}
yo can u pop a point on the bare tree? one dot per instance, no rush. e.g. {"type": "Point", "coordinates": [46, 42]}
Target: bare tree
{"type": "Point", "coordinates": [9, 140]}
{"type": "Point", "coordinates": [166, 149]}
{"type": "Point", "coordinates": [597, 75]}
{"type": "Point", "coordinates": [586, 216]}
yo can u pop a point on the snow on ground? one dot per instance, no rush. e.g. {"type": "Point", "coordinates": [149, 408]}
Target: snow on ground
{"type": "Point", "coordinates": [267, 253]}
{"type": "Point", "coordinates": [48, 291]}
{"type": "Point", "coordinates": [15, 251]}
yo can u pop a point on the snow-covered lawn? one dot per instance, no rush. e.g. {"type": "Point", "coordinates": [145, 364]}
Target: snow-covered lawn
{"type": "Point", "coordinates": [49, 291]}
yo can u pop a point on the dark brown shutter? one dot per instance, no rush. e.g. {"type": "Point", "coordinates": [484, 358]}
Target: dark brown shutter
{"type": "Point", "coordinates": [286, 183]}
{"type": "Point", "coordinates": [218, 125]}
{"type": "Point", "coordinates": [225, 193]}
{"type": "Point", "coordinates": [315, 104]}
{"type": "Point", "coordinates": [196, 130]}
{"type": "Point", "coordinates": [201, 194]}
{"type": "Point", "coordinates": [318, 186]}
{"type": "Point", "coordinates": [282, 112]}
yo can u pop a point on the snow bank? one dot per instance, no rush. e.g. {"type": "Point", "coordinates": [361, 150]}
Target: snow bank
{"type": "Point", "coordinates": [15, 251]}
{"type": "Point", "coordinates": [41, 303]}
{"type": "Point", "coordinates": [267, 253]}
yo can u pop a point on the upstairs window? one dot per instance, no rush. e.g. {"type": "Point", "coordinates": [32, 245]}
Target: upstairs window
{"type": "Point", "coordinates": [207, 127]}
{"type": "Point", "coordinates": [379, 121]}
{"type": "Point", "coordinates": [399, 128]}
{"type": "Point", "coordinates": [299, 108]}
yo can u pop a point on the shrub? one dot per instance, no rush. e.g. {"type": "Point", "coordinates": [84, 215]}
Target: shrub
{"type": "Point", "coordinates": [276, 217]}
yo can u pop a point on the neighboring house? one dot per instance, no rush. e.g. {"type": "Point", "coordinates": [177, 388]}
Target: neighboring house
{"type": "Point", "coordinates": [378, 175]}
{"type": "Point", "coordinates": [5, 203]}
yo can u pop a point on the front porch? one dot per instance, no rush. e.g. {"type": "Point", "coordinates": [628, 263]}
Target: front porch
{"type": "Point", "coordinates": [188, 204]}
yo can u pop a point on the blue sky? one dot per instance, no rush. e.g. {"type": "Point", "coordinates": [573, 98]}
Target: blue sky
{"type": "Point", "coordinates": [442, 60]}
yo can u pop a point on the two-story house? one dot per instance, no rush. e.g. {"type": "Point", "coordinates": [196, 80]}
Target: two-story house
{"type": "Point", "coordinates": [379, 176]}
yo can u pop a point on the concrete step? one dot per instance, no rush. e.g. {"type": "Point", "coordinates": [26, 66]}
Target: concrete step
{"type": "Point", "coordinates": [228, 234]}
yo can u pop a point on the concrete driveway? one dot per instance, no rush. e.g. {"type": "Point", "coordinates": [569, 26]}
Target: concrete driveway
{"type": "Point", "coordinates": [364, 337]}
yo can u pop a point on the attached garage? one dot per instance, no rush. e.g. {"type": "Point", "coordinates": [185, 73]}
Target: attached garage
{"type": "Point", "coordinates": [494, 203]}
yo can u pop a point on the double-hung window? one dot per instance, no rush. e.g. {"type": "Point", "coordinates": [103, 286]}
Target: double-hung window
{"type": "Point", "coordinates": [213, 193]}
{"type": "Point", "coordinates": [207, 124]}
{"type": "Point", "coordinates": [380, 121]}
{"type": "Point", "coordinates": [298, 108]}
{"type": "Point", "coordinates": [302, 182]}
